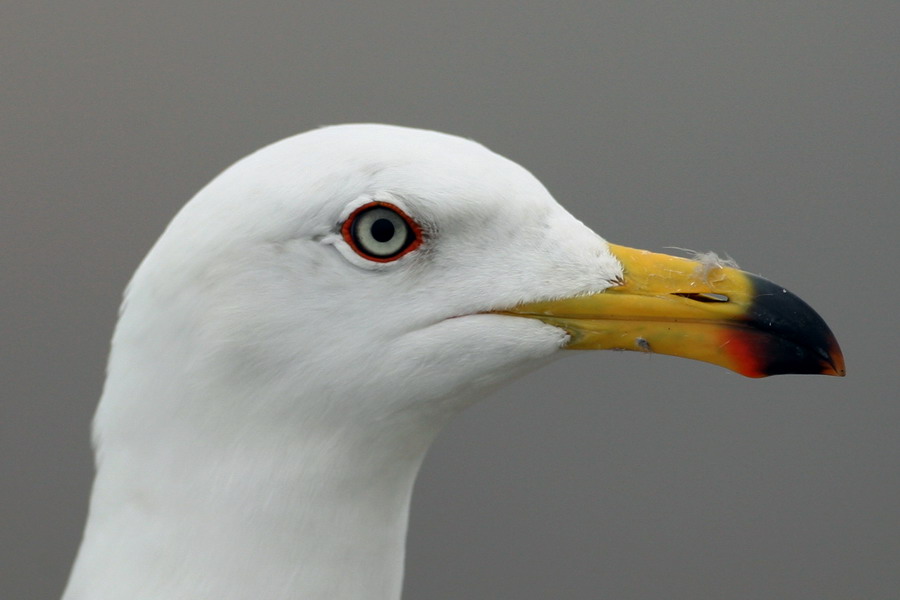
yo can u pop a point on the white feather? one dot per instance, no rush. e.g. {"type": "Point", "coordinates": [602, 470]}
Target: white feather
{"type": "Point", "coordinates": [271, 394]}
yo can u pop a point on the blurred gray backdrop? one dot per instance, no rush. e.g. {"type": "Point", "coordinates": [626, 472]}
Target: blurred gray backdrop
{"type": "Point", "coordinates": [768, 130]}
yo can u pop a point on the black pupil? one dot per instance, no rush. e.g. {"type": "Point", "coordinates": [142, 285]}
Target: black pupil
{"type": "Point", "coordinates": [382, 230]}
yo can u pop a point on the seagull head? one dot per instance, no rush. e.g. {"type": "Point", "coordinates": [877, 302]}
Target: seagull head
{"type": "Point", "coordinates": [305, 325]}
{"type": "Point", "coordinates": [376, 261]}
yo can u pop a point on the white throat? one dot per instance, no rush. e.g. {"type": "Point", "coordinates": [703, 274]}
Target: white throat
{"type": "Point", "coordinates": [247, 523]}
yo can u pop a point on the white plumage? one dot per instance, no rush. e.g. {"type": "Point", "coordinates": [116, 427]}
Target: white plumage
{"type": "Point", "coordinates": [271, 393]}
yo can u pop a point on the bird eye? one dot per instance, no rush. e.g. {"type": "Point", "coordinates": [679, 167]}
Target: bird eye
{"type": "Point", "coordinates": [381, 232]}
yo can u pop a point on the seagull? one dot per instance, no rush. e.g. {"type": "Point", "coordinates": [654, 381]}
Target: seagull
{"type": "Point", "coordinates": [308, 322]}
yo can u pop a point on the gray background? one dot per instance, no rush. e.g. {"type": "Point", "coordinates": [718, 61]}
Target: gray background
{"type": "Point", "coordinates": [767, 130]}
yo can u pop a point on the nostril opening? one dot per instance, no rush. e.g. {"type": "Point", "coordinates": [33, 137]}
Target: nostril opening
{"type": "Point", "coordinates": [704, 297]}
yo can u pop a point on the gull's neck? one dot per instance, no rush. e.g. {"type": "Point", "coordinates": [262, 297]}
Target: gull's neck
{"type": "Point", "coordinates": [288, 516]}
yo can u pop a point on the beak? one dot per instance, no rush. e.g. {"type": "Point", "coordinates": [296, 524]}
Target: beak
{"type": "Point", "coordinates": [708, 312]}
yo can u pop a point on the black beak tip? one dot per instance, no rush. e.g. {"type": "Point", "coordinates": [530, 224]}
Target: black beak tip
{"type": "Point", "coordinates": [795, 339]}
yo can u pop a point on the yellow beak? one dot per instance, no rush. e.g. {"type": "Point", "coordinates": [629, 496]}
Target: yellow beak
{"type": "Point", "coordinates": [699, 310]}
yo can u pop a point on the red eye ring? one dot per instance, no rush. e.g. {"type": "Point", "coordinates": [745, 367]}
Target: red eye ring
{"type": "Point", "coordinates": [368, 243]}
